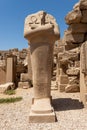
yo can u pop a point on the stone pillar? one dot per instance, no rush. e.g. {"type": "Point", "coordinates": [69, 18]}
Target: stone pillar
{"type": "Point", "coordinates": [83, 73]}
{"type": "Point", "coordinates": [29, 65]}
{"type": "Point", "coordinates": [41, 31]}
{"type": "Point", "coordinates": [62, 80]}
{"type": "Point", "coordinates": [11, 69]}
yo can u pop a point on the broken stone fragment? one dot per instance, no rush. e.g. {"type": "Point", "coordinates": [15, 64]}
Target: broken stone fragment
{"type": "Point", "coordinates": [66, 56]}
{"type": "Point", "coordinates": [73, 71]}
{"type": "Point", "coordinates": [7, 86]}
{"type": "Point", "coordinates": [73, 37]}
{"type": "Point", "coordinates": [84, 18]}
{"type": "Point", "coordinates": [76, 6]}
{"type": "Point", "coordinates": [72, 88]}
{"type": "Point", "coordinates": [24, 77]}
{"type": "Point", "coordinates": [78, 28]}
{"type": "Point", "coordinates": [73, 80]}
{"type": "Point", "coordinates": [73, 17]}
{"type": "Point", "coordinates": [83, 4]}
{"type": "Point", "coordinates": [24, 85]}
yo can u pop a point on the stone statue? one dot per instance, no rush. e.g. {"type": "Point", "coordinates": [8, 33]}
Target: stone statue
{"type": "Point", "coordinates": [41, 31]}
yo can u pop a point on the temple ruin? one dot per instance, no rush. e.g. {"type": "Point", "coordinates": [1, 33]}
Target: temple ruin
{"type": "Point", "coordinates": [50, 62]}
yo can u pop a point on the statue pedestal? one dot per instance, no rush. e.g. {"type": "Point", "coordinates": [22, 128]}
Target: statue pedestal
{"type": "Point", "coordinates": [42, 111]}
{"type": "Point", "coordinates": [41, 31]}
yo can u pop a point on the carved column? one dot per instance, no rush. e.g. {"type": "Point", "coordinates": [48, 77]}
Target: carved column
{"type": "Point", "coordinates": [41, 31]}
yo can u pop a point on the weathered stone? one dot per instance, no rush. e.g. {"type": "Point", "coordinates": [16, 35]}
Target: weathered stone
{"type": "Point", "coordinates": [73, 85]}
{"type": "Point", "coordinates": [83, 72]}
{"type": "Point", "coordinates": [84, 58]}
{"type": "Point", "coordinates": [73, 80]}
{"type": "Point", "coordinates": [29, 65]}
{"type": "Point", "coordinates": [73, 71]}
{"type": "Point", "coordinates": [54, 85]}
{"type": "Point", "coordinates": [24, 85]}
{"type": "Point", "coordinates": [41, 31]}
{"type": "Point", "coordinates": [61, 49]}
{"type": "Point", "coordinates": [85, 37]}
{"type": "Point", "coordinates": [24, 77]}
{"type": "Point", "coordinates": [72, 88]}
{"type": "Point", "coordinates": [62, 82]}
{"type": "Point", "coordinates": [67, 56]}
{"type": "Point", "coordinates": [84, 18]}
{"type": "Point", "coordinates": [76, 6]}
{"type": "Point", "coordinates": [7, 86]}
{"type": "Point", "coordinates": [73, 38]}
{"type": "Point", "coordinates": [2, 76]}
{"type": "Point", "coordinates": [77, 64]}
{"type": "Point", "coordinates": [69, 46]}
{"type": "Point", "coordinates": [83, 4]}
{"type": "Point", "coordinates": [11, 69]}
{"type": "Point", "coordinates": [63, 79]}
{"type": "Point", "coordinates": [73, 17]}
{"type": "Point", "coordinates": [61, 87]}
{"type": "Point", "coordinates": [78, 28]}
{"type": "Point", "coordinates": [20, 68]}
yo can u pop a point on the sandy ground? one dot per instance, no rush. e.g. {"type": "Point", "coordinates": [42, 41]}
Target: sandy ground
{"type": "Point", "coordinates": [70, 113]}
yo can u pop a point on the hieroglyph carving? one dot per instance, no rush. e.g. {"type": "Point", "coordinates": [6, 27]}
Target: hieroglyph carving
{"type": "Point", "coordinates": [42, 20]}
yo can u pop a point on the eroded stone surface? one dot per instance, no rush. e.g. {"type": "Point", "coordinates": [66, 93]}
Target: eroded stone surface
{"type": "Point", "coordinates": [6, 86]}
{"type": "Point", "coordinates": [73, 17]}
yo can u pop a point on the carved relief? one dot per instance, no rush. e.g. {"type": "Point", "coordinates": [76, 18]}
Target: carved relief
{"type": "Point", "coordinates": [40, 21]}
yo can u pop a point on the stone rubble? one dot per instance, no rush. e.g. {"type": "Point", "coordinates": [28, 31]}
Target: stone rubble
{"type": "Point", "coordinates": [69, 58]}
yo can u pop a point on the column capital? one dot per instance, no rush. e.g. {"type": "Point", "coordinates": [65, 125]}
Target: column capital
{"type": "Point", "coordinates": [41, 26]}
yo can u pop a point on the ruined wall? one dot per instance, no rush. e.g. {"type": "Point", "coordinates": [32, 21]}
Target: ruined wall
{"type": "Point", "coordinates": [69, 59]}
{"type": "Point", "coordinates": [20, 67]}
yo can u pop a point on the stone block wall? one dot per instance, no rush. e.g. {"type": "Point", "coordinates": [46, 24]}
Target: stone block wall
{"type": "Point", "coordinates": [74, 37]}
{"type": "Point", "coordinates": [21, 66]}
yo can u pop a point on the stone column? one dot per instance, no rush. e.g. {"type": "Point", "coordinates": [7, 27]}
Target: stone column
{"type": "Point", "coordinates": [41, 31]}
{"type": "Point", "coordinates": [83, 74]}
{"type": "Point", "coordinates": [29, 65]}
{"type": "Point", "coordinates": [11, 69]}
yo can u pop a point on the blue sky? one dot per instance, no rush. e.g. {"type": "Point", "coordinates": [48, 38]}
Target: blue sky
{"type": "Point", "coordinates": [13, 13]}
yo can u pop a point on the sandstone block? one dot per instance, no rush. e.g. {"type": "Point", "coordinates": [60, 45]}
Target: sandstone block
{"type": "Point", "coordinates": [24, 85]}
{"type": "Point", "coordinates": [73, 38]}
{"type": "Point", "coordinates": [73, 17]}
{"type": "Point", "coordinates": [76, 6]}
{"type": "Point", "coordinates": [77, 64]}
{"type": "Point", "coordinates": [78, 28]}
{"type": "Point", "coordinates": [72, 88]}
{"type": "Point", "coordinates": [42, 118]}
{"type": "Point", "coordinates": [83, 4]}
{"type": "Point", "coordinates": [61, 49]}
{"type": "Point", "coordinates": [73, 80]}
{"type": "Point", "coordinates": [84, 18]}
{"type": "Point", "coordinates": [7, 86]}
{"type": "Point", "coordinates": [73, 71]}
{"type": "Point", "coordinates": [61, 87]}
{"type": "Point", "coordinates": [70, 45]}
{"type": "Point", "coordinates": [66, 56]}
{"type": "Point", "coordinates": [63, 79]}
{"type": "Point", "coordinates": [86, 37]}
{"type": "Point", "coordinates": [24, 77]}
{"type": "Point", "coordinates": [2, 76]}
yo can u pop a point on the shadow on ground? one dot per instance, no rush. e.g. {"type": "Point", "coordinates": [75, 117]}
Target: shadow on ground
{"type": "Point", "coordinates": [64, 104]}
